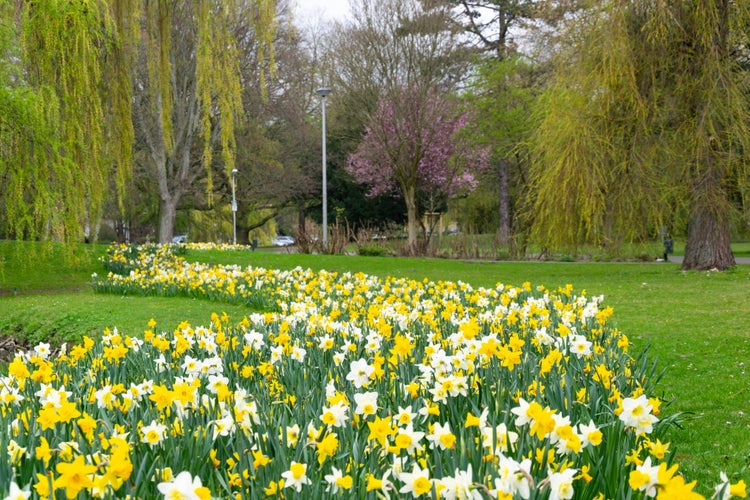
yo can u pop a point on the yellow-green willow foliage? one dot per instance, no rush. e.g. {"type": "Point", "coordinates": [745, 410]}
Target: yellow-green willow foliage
{"type": "Point", "coordinates": [217, 64]}
{"type": "Point", "coordinates": [66, 114]}
{"type": "Point", "coordinates": [119, 65]}
{"type": "Point", "coordinates": [644, 124]}
{"type": "Point", "coordinates": [25, 159]}
{"type": "Point", "coordinates": [218, 76]}
{"type": "Point", "coordinates": [54, 156]}
{"type": "Point", "coordinates": [22, 126]}
{"type": "Point", "coordinates": [8, 39]}
{"type": "Point", "coordinates": [67, 122]}
{"type": "Point", "coordinates": [193, 47]}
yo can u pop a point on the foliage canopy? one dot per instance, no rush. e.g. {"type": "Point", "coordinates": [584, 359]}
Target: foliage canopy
{"type": "Point", "coordinates": [68, 75]}
{"type": "Point", "coordinates": [646, 119]}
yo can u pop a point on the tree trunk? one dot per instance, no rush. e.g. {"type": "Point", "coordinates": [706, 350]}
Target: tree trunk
{"type": "Point", "coordinates": [243, 234]}
{"type": "Point", "coordinates": [503, 230]}
{"type": "Point", "coordinates": [167, 214]}
{"type": "Point", "coordinates": [301, 226]}
{"type": "Point", "coordinates": [708, 243]}
{"type": "Point", "coordinates": [412, 224]}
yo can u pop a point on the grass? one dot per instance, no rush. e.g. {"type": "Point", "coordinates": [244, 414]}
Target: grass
{"type": "Point", "coordinates": [41, 268]}
{"type": "Point", "coordinates": [741, 248]}
{"type": "Point", "coordinates": [485, 246]}
{"type": "Point", "coordinates": [697, 326]}
{"type": "Point", "coordinates": [67, 317]}
{"type": "Point", "coordinates": [45, 296]}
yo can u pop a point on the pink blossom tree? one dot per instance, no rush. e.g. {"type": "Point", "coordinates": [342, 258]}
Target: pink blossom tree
{"type": "Point", "coordinates": [412, 146]}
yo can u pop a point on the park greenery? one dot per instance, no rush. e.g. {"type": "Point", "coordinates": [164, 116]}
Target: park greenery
{"type": "Point", "coordinates": [692, 324]}
{"type": "Point", "coordinates": [602, 123]}
{"type": "Point", "coordinates": [490, 130]}
{"type": "Point", "coordinates": [403, 412]}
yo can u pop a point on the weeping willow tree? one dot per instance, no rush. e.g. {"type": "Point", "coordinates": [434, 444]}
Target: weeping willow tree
{"type": "Point", "coordinates": [22, 125]}
{"type": "Point", "coordinates": [69, 78]}
{"type": "Point", "coordinates": [646, 118]}
{"type": "Point", "coordinates": [54, 160]}
{"type": "Point", "coordinates": [188, 91]}
{"type": "Point", "coordinates": [119, 64]}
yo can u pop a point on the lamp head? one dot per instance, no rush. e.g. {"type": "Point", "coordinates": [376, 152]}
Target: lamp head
{"type": "Point", "coordinates": [234, 171]}
{"type": "Point", "coordinates": [323, 91]}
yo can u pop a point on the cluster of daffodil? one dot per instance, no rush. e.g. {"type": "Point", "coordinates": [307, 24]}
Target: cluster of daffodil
{"type": "Point", "coordinates": [203, 245]}
{"type": "Point", "coordinates": [161, 270]}
{"type": "Point", "coordinates": [348, 386]}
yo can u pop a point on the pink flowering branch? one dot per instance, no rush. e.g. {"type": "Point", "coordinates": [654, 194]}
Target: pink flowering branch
{"type": "Point", "coordinates": [412, 141]}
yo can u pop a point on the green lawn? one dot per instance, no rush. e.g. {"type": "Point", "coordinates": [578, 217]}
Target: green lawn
{"type": "Point", "coordinates": [31, 267]}
{"type": "Point", "coordinates": [697, 324]}
{"type": "Point", "coordinates": [741, 248]}
{"type": "Point", "coordinates": [67, 317]}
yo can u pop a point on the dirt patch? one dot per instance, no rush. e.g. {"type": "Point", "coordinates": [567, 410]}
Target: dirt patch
{"type": "Point", "coordinates": [10, 345]}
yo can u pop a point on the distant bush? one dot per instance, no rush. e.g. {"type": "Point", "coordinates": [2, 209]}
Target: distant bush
{"type": "Point", "coordinates": [374, 250]}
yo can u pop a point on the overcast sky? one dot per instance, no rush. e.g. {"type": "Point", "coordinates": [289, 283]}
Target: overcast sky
{"type": "Point", "coordinates": [328, 9]}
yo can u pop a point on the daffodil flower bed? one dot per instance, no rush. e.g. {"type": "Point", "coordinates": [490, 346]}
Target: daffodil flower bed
{"type": "Point", "coordinates": [348, 386]}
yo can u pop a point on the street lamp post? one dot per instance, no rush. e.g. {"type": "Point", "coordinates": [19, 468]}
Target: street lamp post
{"type": "Point", "coordinates": [323, 92]}
{"type": "Point", "coordinates": [234, 209]}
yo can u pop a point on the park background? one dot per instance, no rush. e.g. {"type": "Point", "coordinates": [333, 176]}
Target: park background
{"type": "Point", "coordinates": [577, 129]}
{"type": "Point", "coordinates": [594, 130]}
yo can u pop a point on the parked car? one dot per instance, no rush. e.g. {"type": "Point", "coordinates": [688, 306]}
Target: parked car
{"type": "Point", "coordinates": [283, 241]}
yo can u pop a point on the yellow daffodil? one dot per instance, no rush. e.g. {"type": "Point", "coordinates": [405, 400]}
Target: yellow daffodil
{"type": "Point", "coordinates": [75, 476]}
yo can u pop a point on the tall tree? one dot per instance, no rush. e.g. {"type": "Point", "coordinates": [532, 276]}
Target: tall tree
{"type": "Point", "coordinates": [390, 44]}
{"type": "Point", "coordinates": [503, 31]}
{"type": "Point", "coordinates": [58, 148]}
{"type": "Point", "coordinates": [84, 64]}
{"type": "Point", "coordinates": [493, 23]}
{"type": "Point", "coordinates": [289, 113]}
{"type": "Point", "coordinates": [503, 96]}
{"type": "Point", "coordinates": [391, 49]}
{"type": "Point", "coordinates": [412, 145]}
{"type": "Point", "coordinates": [647, 116]}
{"type": "Point", "coordinates": [188, 91]}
